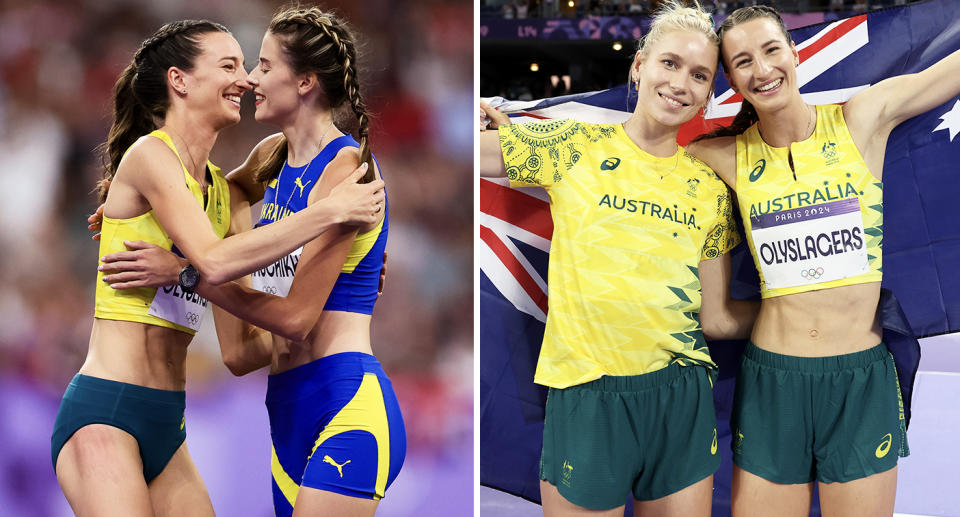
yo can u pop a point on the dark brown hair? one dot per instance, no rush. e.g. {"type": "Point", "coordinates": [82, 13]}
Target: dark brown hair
{"type": "Point", "coordinates": [747, 116]}
{"type": "Point", "coordinates": [318, 42]}
{"type": "Point", "coordinates": [140, 95]}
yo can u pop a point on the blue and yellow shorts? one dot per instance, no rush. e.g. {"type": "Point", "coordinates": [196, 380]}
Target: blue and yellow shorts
{"type": "Point", "coordinates": [154, 417]}
{"type": "Point", "coordinates": [830, 419]}
{"type": "Point", "coordinates": [335, 426]}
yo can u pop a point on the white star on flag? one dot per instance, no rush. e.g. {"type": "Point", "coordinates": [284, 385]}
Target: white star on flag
{"type": "Point", "coordinates": [951, 121]}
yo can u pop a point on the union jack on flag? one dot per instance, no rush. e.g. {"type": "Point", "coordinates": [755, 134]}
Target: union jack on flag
{"type": "Point", "coordinates": [921, 219]}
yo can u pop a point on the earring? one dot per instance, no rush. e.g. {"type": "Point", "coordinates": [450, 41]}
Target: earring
{"type": "Point", "coordinates": [183, 91]}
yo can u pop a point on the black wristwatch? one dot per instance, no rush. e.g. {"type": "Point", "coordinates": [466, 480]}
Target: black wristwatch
{"type": "Point", "coordinates": [189, 278]}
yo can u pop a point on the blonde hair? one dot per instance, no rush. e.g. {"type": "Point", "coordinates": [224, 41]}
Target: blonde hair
{"type": "Point", "coordinates": [674, 15]}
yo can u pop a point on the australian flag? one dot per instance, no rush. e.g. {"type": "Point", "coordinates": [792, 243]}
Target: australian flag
{"type": "Point", "coordinates": [921, 222]}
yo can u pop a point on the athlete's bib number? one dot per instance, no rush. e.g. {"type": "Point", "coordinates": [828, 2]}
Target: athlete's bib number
{"type": "Point", "coordinates": [811, 245]}
{"type": "Point", "coordinates": [174, 305]}
{"type": "Point", "coordinates": [277, 278]}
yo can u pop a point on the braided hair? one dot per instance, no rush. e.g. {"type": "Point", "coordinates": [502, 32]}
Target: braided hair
{"type": "Point", "coordinates": [318, 42]}
{"type": "Point", "coordinates": [140, 96]}
{"type": "Point", "coordinates": [747, 116]}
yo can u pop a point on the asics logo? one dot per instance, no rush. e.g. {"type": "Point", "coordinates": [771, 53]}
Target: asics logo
{"type": "Point", "coordinates": [609, 164]}
{"type": "Point", "coordinates": [884, 446]}
{"type": "Point", "coordinates": [758, 169]}
{"type": "Point", "coordinates": [328, 459]}
{"type": "Point", "coordinates": [713, 445]}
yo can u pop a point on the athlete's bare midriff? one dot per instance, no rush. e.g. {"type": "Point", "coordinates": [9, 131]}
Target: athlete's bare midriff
{"type": "Point", "coordinates": [335, 332]}
{"type": "Point", "coordinates": [835, 321]}
{"type": "Point", "coordinates": [137, 353]}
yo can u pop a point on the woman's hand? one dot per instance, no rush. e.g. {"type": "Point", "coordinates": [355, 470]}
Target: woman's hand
{"type": "Point", "coordinates": [491, 118]}
{"type": "Point", "coordinates": [96, 218]}
{"type": "Point", "coordinates": [360, 204]}
{"type": "Point", "coordinates": [144, 265]}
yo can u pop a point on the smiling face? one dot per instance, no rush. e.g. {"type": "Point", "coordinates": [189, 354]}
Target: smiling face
{"type": "Point", "coordinates": [676, 75]}
{"type": "Point", "coordinates": [761, 64]}
{"type": "Point", "coordinates": [217, 81]}
{"type": "Point", "coordinates": [274, 83]}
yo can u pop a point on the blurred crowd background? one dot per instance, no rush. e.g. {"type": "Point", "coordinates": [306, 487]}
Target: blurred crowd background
{"type": "Point", "coordinates": [577, 8]}
{"type": "Point", "coordinates": [59, 60]}
{"type": "Point", "coordinates": [532, 49]}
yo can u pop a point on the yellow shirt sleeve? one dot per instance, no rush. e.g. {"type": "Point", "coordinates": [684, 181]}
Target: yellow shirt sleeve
{"type": "Point", "coordinates": [541, 153]}
{"type": "Point", "coordinates": [723, 236]}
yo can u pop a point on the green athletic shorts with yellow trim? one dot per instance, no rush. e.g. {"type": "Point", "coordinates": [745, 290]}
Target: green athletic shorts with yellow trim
{"type": "Point", "coordinates": [652, 435]}
{"type": "Point", "coordinates": [830, 419]}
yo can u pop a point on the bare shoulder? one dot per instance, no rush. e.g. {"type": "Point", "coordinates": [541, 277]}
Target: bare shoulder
{"type": "Point", "coordinates": [148, 157]}
{"type": "Point", "coordinates": [266, 146]}
{"type": "Point", "coordinates": [720, 154]}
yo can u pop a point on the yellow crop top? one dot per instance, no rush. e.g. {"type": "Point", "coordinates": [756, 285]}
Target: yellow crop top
{"type": "Point", "coordinates": [168, 306]}
{"type": "Point", "coordinates": [818, 227]}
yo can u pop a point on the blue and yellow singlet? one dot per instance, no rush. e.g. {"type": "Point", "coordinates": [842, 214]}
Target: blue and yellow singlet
{"type": "Point", "coordinates": [356, 288]}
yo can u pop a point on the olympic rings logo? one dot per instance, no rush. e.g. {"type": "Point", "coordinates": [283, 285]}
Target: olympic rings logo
{"type": "Point", "coordinates": [812, 273]}
{"type": "Point", "coordinates": [193, 318]}
{"type": "Point", "coordinates": [269, 289]}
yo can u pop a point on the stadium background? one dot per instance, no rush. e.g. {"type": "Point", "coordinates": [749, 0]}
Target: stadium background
{"type": "Point", "coordinates": [58, 63]}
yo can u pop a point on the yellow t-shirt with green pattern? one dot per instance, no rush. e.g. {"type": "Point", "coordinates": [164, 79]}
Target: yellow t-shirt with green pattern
{"type": "Point", "coordinates": [630, 230]}
{"type": "Point", "coordinates": [817, 223]}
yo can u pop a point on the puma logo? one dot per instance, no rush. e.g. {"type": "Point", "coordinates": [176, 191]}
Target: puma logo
{"type": "Point", "coordinates": [328, 459]}
{"type": "Point", "coordinates": [300, 185]}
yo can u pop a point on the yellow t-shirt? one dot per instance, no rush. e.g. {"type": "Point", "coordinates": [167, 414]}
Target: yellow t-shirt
{"type": "Point", "coordinates": [629, 232]}
{"type": "Point", "coordinates": [165, 307]}
{"type": "Point", "coordinates": [818, 227]}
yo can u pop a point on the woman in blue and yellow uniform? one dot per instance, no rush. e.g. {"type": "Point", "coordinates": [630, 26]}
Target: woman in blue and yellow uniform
{"type": "Point", "coordinates": [337, 432]}
{"type": "Point", "coordinates": [638, 274]}
{"type": "Point", "coordinates": [817, 396]}
{"type": "Point", "coordinates": [118, 442]}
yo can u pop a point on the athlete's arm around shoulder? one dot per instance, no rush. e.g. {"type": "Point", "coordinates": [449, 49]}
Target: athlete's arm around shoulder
{"type": "Point", "coordinates": [721, 316]}
{"type": "Point", "coordinates": [154, 172]}
{"type": "Point", "coordinates": [873, 113]}
{"type": "Point", "coordinates": [243, 176]}
{"type": "Point", "coordinates": [720, 154]}
{"type": "Point", "coordinates": [295, 315]}
{"type": "Point", "coordinates": [244, 347]}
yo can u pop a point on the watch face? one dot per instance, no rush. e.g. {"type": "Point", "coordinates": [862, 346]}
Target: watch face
{"type": "Point", "coordinates": [189, 278]}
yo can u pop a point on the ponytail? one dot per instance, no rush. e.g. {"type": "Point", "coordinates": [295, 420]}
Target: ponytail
{"type": "Point", "coordinates": [130, 121]}
{"type": "Point", "coordinates": [271, 166]}
{"type": "Point", "coordinates": [746, 117]}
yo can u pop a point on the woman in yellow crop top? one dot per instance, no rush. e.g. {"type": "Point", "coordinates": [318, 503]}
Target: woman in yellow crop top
{"type": "Point", "coordinates": [118, 443]}
{"type": "Point", "coordinates": [808, 179]}
{"type": "Point", "coordinates": [621, 341]}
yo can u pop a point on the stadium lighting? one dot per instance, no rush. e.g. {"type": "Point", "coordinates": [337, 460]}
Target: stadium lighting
{"type": "Point", "coordinates": [571, 3]}
{"type": "Point", "coordinates": [617, 46]}
{"type": "Point", "coordinates": [534, 67]}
